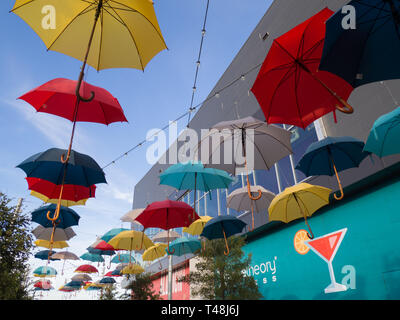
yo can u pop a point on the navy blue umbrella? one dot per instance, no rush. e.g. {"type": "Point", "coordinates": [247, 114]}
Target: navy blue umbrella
{"type": "Point", "coordinates": [332, 155]}
{"type": "Point", "coordinates": [44, 255]}
{"type": "Point", "coordinates": [107, 280]}
{"type": "Point", "coordinates": [66, 218]}
{"type": "Point", "coordinates": [81, 170]}
{"type": "Point", "coordinates": [222, 227]}
{"type": "Point", "coordinates": [371, 51]}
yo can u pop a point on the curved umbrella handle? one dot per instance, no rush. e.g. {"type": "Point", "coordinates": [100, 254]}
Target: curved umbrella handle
{"type": "Point", "coordinates": [226, 244]}
{"type": "Point", "coordinates": [170, 252]}
{"type": "Point", "coordinates": [346, 107]}
{"type": "Point", "coordinates": [92, 95]}
{"type": "Point", "coordinates": [340, 197]}
{"type": "Point", "coordinates": [65, 160]}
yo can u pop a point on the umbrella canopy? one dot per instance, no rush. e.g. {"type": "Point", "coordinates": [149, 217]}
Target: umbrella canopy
{"type": "Point", "coordinates": [44, 255]}
{"type": "Point", "coordinates": [384, 135]}
{"type": "Point", "coordinates": [47, 165]}
{"type": "Point", "coordinates": [167, 215]}
{"type": "Point", "coordinates": [184, 245]}
{"type": "Point", "coordinates": [131, 240]}
{"type": "Point", "coordinates": [86, 268]}
{"type": "Point", "coordinates": [299, 201]}
{"type": "Point", "coordinates": [65, 255]}
{"type": "Point", "coordinates": [43, 284]}
{"type": "Point", "coordinates": [107, 280]}
{"type": "Point", "coordinates": [55, 244]}
{"type": "Point", "coordinates": [127, 37]}
{"type": "Point", "coordinates": [100, 252]}
{"type": "Point", "coordinates": [115, 273]}
{"type": "Point", "coordinates": [196, 228]}
{"type": "Point", "coordinates": [122, 258]}
{"type": "Point", "coordinates": [59, 235]}
{"type": "Point", "coordinates": [92, 257]}
{"type": "Point", "coordinates": [58, 97]}
{"type": "Point", "coordinates": [65, 203]}
{"type": "Point", "coordinates": [74, 284]}
{"type": "Point", "coordinates": [112, 233]}
{"type": "Point", "coordinates": [374, 43]}
{"type": "Point", "coordinates": [166, 236]}
{"type": "Point", "coordinates": [154, 252]}
{"type": "Point", "coordinates": [49, 190]}
{"type": "Point", "coordinates": [81, 277]}
{"type": "Point", "coordinates": [332, 155]}
{"type": "Point", "coordinates": [45, 271]}
{"type": "Point", "coordinates": [67, 217]}
{"type": "Point", "coordinates": [132, 269]}
{"type": "Point", "coordinates": [222, 227]}
{"type": "Point", "coordinates": [240, 201]}
{"type": "Point", "coordinates": [289, 87]}
{"type": "Point", "coordinates": [132, 215]}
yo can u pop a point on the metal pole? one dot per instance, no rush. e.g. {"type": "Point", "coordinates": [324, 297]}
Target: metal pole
{"type": "Point", "coordinates": [170, 277]}
{"type": "Point", "coordinates": [254, 177]}
{"type": "Point", "coordinates": [278, 179]}
{"type": "Point", "coordinates": [227, 208]}
{"type": "Point", "coordinates": [218, 203]}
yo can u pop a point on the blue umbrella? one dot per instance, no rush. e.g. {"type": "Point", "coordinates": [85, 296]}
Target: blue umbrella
{"type": "Point", "coordinates": [332, 155]}
{"type": "Point", "coordinates": [183, 246]}
{"type": "Point", "coordinates": [107, 280]}
{"type": "Point", "coordinates": [116, 272]}
{"type": "Point", "coordinates": [82, 170]}
{"type": "Point", "coordinates": [368, 53]}
{"type": "Point", "coordinates": [100, 252]}
{"type": "Point", "coordinates": [122, 258]}
{"type": "Point", "coordinates": [92, 257]}
{"type": "Point", "coordinates": [383, 140]}
{"type": "Point", "coordinates": [112, 233]}
{"type": "Point", "coordinates": [222, 227]}
{"type": "Point", "coordinates": [44, 255]}
{"type": "Point", "coordinates": [67, 217]}
{"type": "Point", "coordinates": [74, 284]}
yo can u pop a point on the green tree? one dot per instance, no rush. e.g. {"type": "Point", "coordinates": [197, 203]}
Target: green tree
{"type": "Point", "coordinates": [108, 293]}
{"type": "Point", "coordinates": [141, 287]}
{"type": "Point", "coordinates": [15, 245]}
{"type": "Point", "coordinates": [220, 277]}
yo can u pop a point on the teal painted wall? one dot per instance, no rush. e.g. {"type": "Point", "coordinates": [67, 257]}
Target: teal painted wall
{"type": "Point", "coordinates": [370, 249]}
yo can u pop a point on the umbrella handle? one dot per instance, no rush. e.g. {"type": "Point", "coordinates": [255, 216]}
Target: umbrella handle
{"type": "Point", "coordinates": [170, 252]}
{"type": "Point", "coordinates": [346, 107]}
{"type": "Point", "coordinates": [340, 197]}
{"type": "Point", "coordinates": [226, 244]}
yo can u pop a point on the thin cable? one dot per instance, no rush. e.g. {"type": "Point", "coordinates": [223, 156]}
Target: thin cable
{"type": "Point", "coordinates": [203, 33]}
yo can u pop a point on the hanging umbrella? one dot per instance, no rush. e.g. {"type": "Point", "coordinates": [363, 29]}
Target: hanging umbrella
{"type": "Point", "coordinates": [196, 228]}
{"type": "Point", "coordinates": [44, 255]}
{"type": "Point", "coordinates": [374, 43]}
{"type": "Point", "coordinates": [166, 236]}
{"type": "Point", "coordinates": [67, 289]}
{"type": "Point", "coordinates": [55, 244]}
{"type": "Point", "coordinates": [167, 215]}
{"type": "Point", "coordinates": [100, 252]}
{"type": "Point", "coordinates": [112, 233]}
{"type": "Point", "coordinates": [107, 280]}
{"type": "Point", "coordinates": [131, 240]}
{"type": "Point", "coordinates": [45, 271]}
{"type": "Point", "coordinates": [92, 257]}
{"type": "Point", "coordinates": [116, 273]}
{"type": "Point", "coordinates": [184, 245]}
{"type": "Point", "coordinates": [123, 258]}
{"type": "Point", "coordinates": [299, 201]}
{"type": "Point", "coordinates": [289, 87]}
{"type": "Point", "coordinates": [67, 217]}
{"type": "Point", "coordinates": [332, 155]}
{"type": "Point", "coordinates": [81, 277]}
{"type": "Point", "coordinates": [43, 284]}
{"type": "Point", "coordinates": [49, 190]}
{"type": "Point", "coordinates": [64, 203]}
{"type": "Point", "coordinates": [268, 143]}
{"type": "Point", "coordinates": [240, 201]}
{"type": "Point", "coordinates": [42, 233]}
{"type": "Point", "coordinates": [383, 139]}
{"type": "Point", "coordinates": [58, 97]}
{"type": "Point", "coordinates": [154, 252]}
{"type": "Point", "coordinates": [222, 227]}
{"type": "Point", "coordinates": [131, 215]}
{"type": "Point", "coordinates": [74, 285]}
{"type": "Point", "coordinates": [86, 268]}
{"type": "Point", "coordinates": [132, 269]}
{"type": "Point", "coordinates": [65, 255]}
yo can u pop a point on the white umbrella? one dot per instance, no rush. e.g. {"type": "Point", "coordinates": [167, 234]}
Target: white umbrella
{"type": "Point", "coordinates": [81, 277]}
{"type": "Point", "coordinates": [164, 237]}
{"type": "Point", "coordinates": [132, 215]}
{"type": "Point", "coordinates": [43, 233]}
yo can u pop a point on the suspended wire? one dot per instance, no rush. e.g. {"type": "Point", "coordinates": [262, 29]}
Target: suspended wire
{"type": "Point", "coordinates": [203, 33]}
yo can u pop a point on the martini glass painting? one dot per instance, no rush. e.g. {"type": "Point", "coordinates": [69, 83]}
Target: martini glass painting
{"type": "Point", "coordinates": [326, 247]}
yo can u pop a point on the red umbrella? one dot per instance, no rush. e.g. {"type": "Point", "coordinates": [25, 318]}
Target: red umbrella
{"type": "Point", "coordinates": [104, 246]}
{"type": "Point", "coordinates": [110, 274]}
{"type": "Point", "coordinates": [52, 191]}
{"type": "Point", "coordinates": [289, 87]}
{"type": "Point", "coordinates": [58, 97]}
{"type": "Point", "coordinates": [167, 215]}
{"type": "Point", "coordinates": [86, 268]}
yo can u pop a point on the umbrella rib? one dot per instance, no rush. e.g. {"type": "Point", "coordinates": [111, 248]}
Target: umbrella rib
{"type": "Point", "coordinates": [347, 154]}
{"type": "Point", "coordinates": [101, 44]}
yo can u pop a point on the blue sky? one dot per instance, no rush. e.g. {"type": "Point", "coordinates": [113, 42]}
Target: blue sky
{"type": "Point", "coordinates": [150, 99]}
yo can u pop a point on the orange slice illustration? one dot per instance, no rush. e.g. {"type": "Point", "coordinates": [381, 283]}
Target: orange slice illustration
{"type": "Point", "coordinates": [298, 241]}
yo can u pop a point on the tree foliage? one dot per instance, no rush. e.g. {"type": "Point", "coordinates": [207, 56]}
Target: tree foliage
{"type": "Point", "coordinates": [141, 286]}
{"type": "Point", "coordinates": [15, 245]}
{"type": "Point", "coordinates": [221, 277]}
{"type": "Point", "coordinates": [108, 293]}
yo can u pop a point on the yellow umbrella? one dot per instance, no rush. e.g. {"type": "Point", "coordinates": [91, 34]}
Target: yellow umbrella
{"type": "Point", "coordinates": [65, 203]}
{"type": "Point", "coordinates": [132, 269]}
{"type": "Point", "coordinates": [299, 201]}
{"type": "Point", "coordinates": [113, 34]}
{"type": "Point", "coordinates": [55, 244]}
{"type": "Point", "coordinates": [197, 226]}
{"type": "Point", "coordinates": [155, 252]}
{"type": "Point", "coordinates": [131, 240]}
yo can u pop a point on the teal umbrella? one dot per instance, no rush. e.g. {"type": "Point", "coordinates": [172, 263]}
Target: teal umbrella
{"type": "Point", "coordinates": [92, 257]}
{"type": "Point", "coordinates": [112, 233]}
{"type": "Point", "coordinates": [383, 140]}
{"type": "Point", "coordinates": [183, 246]}
{"type": "Point", "coordinates": [122, 258]}
{"type": "Point", "coordinates": [45, 271]}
